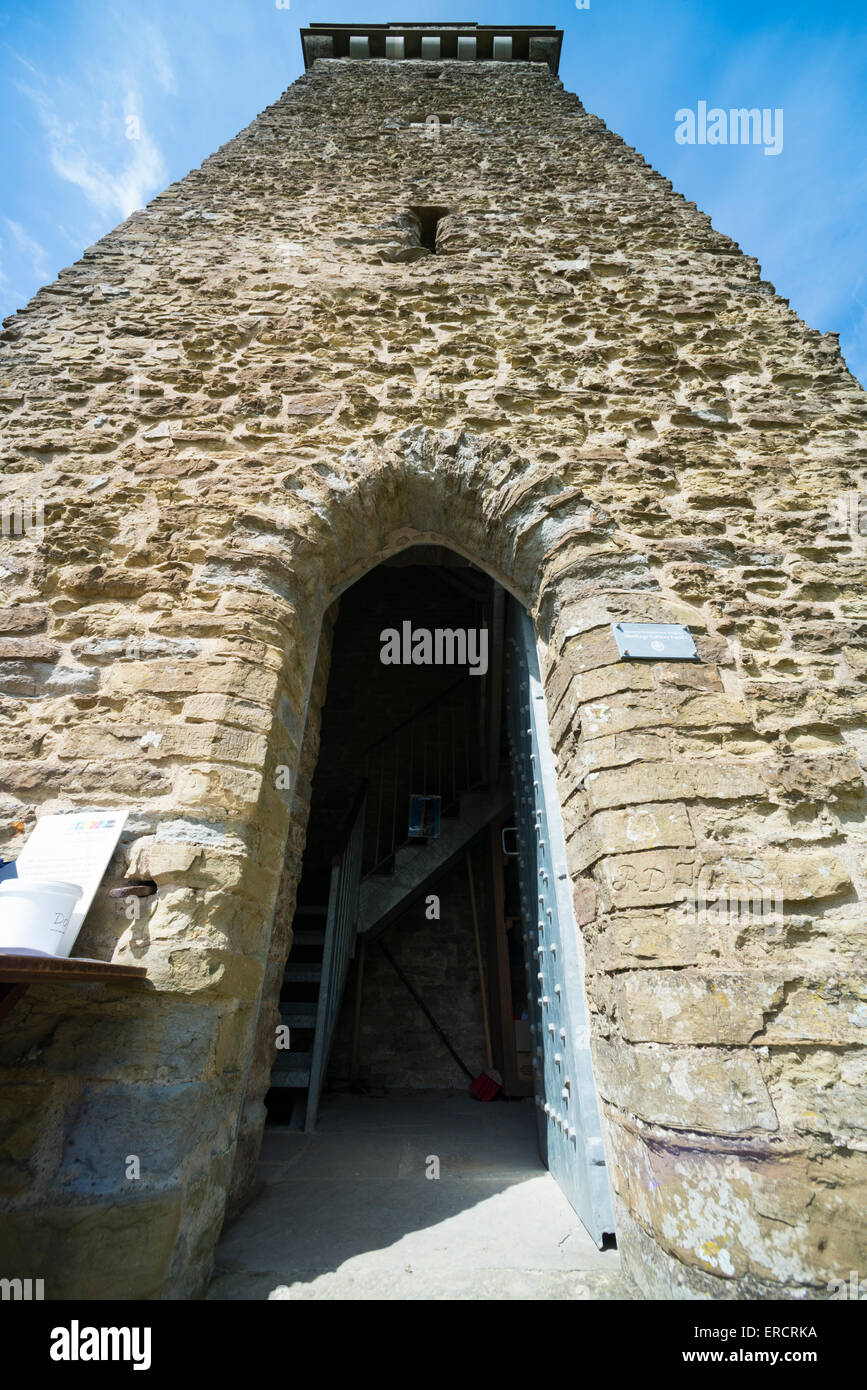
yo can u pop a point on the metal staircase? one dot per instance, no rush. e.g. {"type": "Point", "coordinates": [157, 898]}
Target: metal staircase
{"type": "Point", "coordinates": [382, 867]}
{"type": "Point", "coordinates": [418, 863]}
{"type": "Point", "coordinates": [292, 1068]}
{"type": "Point", "coordinates": [315, 974]}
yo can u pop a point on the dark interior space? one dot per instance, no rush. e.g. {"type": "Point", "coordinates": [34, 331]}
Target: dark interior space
{"type": "Point", "coordinates": [413, 752]}
{"type": "Point", "coordinates": [368, 701]}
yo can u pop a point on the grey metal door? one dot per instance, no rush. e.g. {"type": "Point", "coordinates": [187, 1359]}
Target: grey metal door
{"type": "Point", "coordinates": [570, 1135]}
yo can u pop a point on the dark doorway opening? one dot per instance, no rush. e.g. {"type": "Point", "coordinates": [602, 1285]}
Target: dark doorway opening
{"type": "Point", "coordinates": [412, 729]}
{"type": "Point", "coordinates": [435, 941]}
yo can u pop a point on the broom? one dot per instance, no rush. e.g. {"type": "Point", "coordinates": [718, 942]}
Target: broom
{"type": "Point", "coordinates": [488, 1084]}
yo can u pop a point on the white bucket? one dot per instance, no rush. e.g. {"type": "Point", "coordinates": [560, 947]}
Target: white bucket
{"type": "Point", "coordinates": [35, 913]}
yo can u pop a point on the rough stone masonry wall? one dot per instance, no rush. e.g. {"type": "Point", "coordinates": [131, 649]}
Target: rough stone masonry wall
{"type": "Point", "coordinates": [253, 391]}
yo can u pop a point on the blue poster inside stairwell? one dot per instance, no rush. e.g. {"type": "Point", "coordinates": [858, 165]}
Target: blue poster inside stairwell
{"type": "Point", "coordinates": [424, 817]}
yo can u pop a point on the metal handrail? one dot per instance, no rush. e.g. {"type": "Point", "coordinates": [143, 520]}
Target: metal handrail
{"type": "Point", "coordinates": [341, 925]}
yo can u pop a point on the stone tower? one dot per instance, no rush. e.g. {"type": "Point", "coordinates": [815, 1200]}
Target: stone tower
{"type": "Point", "coordinates": [426, 297]}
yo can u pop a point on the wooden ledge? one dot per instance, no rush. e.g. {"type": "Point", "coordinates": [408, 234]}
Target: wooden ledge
{"type": "Point", "coordinates": [28, 969]}
{"type": "Point", "coordinates": [18, 971]}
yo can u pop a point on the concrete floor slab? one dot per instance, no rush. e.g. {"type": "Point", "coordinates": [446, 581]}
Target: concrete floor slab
{"type": "Point", "coordinates": [350, 1213]}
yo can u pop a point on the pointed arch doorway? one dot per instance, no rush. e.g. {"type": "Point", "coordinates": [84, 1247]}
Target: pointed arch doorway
{"type": "Point", "coordinates": [435, 751]}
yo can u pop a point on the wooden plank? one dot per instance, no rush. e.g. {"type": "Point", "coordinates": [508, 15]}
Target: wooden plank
{"type": "Point", "coordinates": [27, 969]}
{"type": "Point", "coordinates": [501, 974]}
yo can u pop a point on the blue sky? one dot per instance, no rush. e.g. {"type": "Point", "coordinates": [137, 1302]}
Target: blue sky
{"type": "Point", "coordinates": [78, 78]}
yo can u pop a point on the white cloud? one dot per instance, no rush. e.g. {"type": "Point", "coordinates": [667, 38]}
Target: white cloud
{"type": "Point", "coordinates": [25, 63]}
{"type": "Point", "coordinates": [25, 243]}
{"type": "Point", "coordinates": [142, 171]}
{"type": "Point", "coordinates": [154, 52]}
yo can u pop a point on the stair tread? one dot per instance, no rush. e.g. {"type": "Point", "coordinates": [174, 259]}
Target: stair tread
{"type": "Point", "coordinates": [311, 910]}
{"type": "Point", "coordinates": [301, 1015]}
{"type": "Point", "coordinates": [290, 1080]}
{"type": "Point", "coordinates": [302, 974]}
{"type": "Point", "coordinates": [308, 938]}
{"type": "Point", "coordinates": [287, 1060]}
